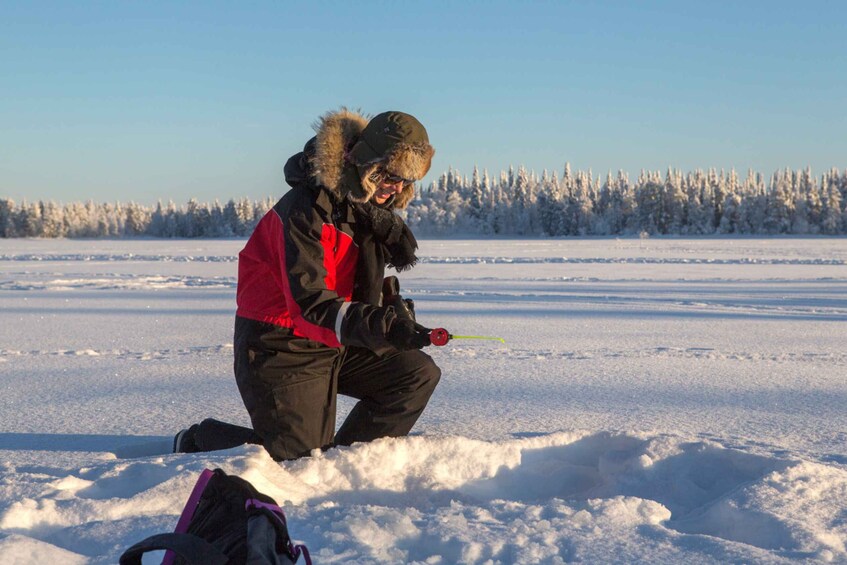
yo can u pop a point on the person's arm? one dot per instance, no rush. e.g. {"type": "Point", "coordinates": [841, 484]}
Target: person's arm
{"type": "Point", "coordinates": [317, 311]}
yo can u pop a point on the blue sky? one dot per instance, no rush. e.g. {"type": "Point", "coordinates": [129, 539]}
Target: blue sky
{"type": "Point", "coordinates": [173, 100]}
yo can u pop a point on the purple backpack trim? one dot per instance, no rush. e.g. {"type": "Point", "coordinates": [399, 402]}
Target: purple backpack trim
{"type": "Point", "coordinates": [188, 511]}
{"type": "Point", "coordinates": [295, 550]}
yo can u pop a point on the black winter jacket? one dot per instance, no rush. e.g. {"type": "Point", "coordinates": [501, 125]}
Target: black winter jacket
{"type": "Point", "coordinates": [316, 261]}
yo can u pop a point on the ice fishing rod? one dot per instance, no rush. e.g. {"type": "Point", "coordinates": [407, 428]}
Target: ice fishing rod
{"type": "Point", "coordinates": [440, 336]}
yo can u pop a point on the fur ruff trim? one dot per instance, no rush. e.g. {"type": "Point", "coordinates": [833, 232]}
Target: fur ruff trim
{"type": "Point", "coordinates": [336, 132]}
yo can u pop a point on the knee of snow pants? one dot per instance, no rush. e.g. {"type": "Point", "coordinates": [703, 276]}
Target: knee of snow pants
{"type": "Point", "coordinates": [289, 388]}
{"type": "Point", "coordinates": [393, 391]}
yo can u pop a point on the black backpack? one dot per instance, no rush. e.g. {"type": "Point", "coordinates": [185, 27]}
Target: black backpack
{"type": "Point", "coordinates": [226, 521]}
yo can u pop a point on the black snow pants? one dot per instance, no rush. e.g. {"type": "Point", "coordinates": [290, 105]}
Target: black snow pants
{"type": "Point", "coordinates": [290, 384]}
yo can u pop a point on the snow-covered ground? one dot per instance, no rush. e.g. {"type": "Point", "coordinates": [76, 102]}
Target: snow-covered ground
{"type": "Point", "coordinates": [656, 401]}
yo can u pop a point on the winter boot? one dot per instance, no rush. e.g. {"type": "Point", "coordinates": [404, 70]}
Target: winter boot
{"type": "Point", "coordinates": [185, 441]}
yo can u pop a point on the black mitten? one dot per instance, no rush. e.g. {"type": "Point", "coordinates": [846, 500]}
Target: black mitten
{"type": "Point", "coordinates": [405, 307]}
{"type": "Point", "coordinates": [405, 334]}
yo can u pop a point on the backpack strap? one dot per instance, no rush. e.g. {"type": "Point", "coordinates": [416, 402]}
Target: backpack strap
{"type": "Point", "coordinates": [189, 509]}
{"type": "Point", "coordinates": [193, 501]}
{"type": "Point", "coordinates": [192, 549]}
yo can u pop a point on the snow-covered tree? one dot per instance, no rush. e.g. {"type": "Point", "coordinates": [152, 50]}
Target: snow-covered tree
{"type": "Point", "coordinates": [137, 219]}
{"type": "Point", "coordinates": [52, 220]}
{"type": "Point", "coordinates": [832, 210]}
{"type": "Point", "coordinates": [780, 204]}
{"type": "Point", "coordinates": [7, 221]}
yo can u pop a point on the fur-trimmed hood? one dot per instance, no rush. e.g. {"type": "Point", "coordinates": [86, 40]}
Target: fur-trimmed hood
{"type": "Point", "coordinates": [349, 148]}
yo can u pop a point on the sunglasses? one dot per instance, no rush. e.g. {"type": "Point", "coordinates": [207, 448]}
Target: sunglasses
{"type": "Point", "coordinates": [388, 178]}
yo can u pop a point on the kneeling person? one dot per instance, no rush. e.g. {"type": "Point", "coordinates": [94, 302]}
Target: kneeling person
{"type": "Point", "coordinates": [312, 321]}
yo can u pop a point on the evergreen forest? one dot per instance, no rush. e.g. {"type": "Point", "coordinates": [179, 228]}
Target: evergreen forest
{"type": "Point", "coordinates": [515, 203]}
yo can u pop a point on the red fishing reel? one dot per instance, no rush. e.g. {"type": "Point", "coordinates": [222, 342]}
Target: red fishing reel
{"type": "Point", "coordinates": [439, 337]}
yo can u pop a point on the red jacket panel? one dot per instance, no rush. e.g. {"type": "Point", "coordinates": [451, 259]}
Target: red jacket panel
{"type": "Point", "coordinates": [296, 271]}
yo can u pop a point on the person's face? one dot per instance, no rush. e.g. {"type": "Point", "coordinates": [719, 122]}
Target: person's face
{"type": "Point", "coordinates": [388, 186]}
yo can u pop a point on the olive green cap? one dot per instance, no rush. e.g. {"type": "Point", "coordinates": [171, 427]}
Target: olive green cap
{"type": "Point", "coordinates": [390, 133]}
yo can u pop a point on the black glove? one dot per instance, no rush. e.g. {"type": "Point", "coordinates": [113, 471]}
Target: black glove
{"type": "Point", "coordinates": [404, 307]}
{"type": "Point", "coordinates": [405, 334]}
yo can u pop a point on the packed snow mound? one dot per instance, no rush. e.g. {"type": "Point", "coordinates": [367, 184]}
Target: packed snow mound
{"type": "Point", "coordinates": [22, 549]}
{"type": "Point", "coordinates": [553, 498]}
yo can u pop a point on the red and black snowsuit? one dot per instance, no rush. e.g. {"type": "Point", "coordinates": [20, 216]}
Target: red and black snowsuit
{"type": "Point", "coordinates": [310, 321]}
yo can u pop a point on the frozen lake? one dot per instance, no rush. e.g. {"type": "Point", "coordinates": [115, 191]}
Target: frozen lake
{"type": "Point", "coordinates": [658, 400]}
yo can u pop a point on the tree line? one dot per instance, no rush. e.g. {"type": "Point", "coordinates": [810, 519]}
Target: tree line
{"type": "Point", "coordinates": [236, 218]}
{"type": "Point", "coordinates": [579, 204]}
{"type": "Point", "coordinates": [515, 203]}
